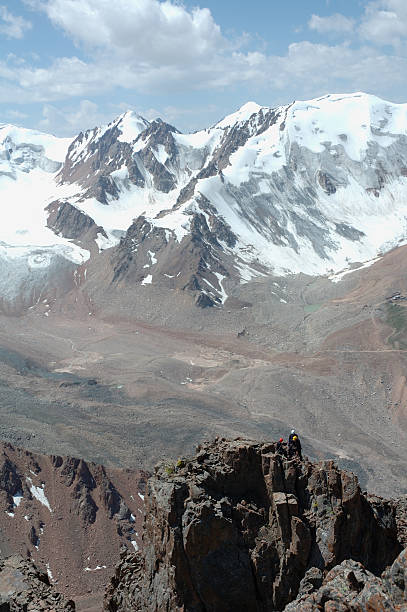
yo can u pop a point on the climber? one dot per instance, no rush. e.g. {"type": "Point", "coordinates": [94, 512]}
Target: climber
{"type": "Point", "coordinates": [292, 434]}
{"type": "Point", "coordinates": [294, 447]}
{"type": "Point", "coordinates": [280, 448]}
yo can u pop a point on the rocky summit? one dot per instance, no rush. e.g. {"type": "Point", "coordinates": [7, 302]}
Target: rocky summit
{"type": "Point", "coordinates": [240, 527]}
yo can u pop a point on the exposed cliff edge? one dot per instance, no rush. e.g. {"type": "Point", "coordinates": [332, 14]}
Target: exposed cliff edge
{"type": "Point", "coordinates": [239, 527]}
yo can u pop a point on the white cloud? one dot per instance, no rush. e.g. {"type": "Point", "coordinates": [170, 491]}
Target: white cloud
{"type": "Point", "coordinates": [158, 33]}
{"type": "Point", "coordinates": [340, 68]}
{"type": "Point", "coordinates": [306, 70]}
{"type": "Point", "coordinates": [147, 46]}
{"type": "Point", "coordinates": [12, 26]}
{"type": "Point", "coordinates": [150, 46]}
{"type": "Point", "coordinates": [334, 23]}
{"type": "Point", "coordinates": [68, 121]}
{"type": "Point", "coordinates": [15, 115]}
{"type": "Point", "coordinates": [385, 23]}
{"type": "Point", "coordinates": [65, 77]}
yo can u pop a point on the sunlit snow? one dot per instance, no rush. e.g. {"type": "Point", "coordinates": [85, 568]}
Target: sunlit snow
{"type": "Point", "coordinates": [17, 498]}
{"type": "Point", "coordinates": [221, 278]}
{"type": "Point", "coordinates": [54, 148]}
{"type": "Point", "coordinates": [336, 127]}
{"type": "Point", "coordinates": [27, 185]}
{"type": "Point", "coordinates": [131, 125]}
{"type": "Point", "coordinates": [38, 493]}
{"type": "Point", "coordinates": [49, 572]}
{"type": "Point", "coordinates": [147, 280]}
{"type": "Point", "coordinates": [243, 114]}
{"type": "Point", "coordinates": [340, 275]}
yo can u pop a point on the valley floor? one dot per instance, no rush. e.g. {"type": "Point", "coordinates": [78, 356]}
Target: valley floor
{"type": "Point", "coordinates": [122, 389]}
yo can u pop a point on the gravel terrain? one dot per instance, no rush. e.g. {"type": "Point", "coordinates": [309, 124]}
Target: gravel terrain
{"type": "Point", "coordinates": [148, 375]}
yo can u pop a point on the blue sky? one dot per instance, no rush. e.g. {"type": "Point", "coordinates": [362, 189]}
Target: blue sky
{"type": "Point", "coordinates": [66, 65]}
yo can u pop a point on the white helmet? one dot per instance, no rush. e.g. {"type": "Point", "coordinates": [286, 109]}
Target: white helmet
{"type": "Point", "coordinates": [293, 431]}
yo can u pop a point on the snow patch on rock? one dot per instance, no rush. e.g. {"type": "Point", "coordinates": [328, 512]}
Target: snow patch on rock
{"type": "Point", "coordinates": [38, 493]}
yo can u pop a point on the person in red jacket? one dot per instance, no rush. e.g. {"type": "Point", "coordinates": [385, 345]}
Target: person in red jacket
{"type": "Point", "coordinates": [280, 447]}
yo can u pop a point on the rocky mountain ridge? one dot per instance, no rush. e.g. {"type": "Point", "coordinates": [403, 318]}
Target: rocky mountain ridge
{"type": "Point", "coordinates": [350, 586]}
{"type": "Point", "coordinates": [68, 516]}
{"type": "Point", "coordinates": [240, 527]}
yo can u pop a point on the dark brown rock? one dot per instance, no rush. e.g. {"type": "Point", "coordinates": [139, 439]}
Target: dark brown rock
{"type": "Point", "coordinates": [350, 587]}
{"type": "Point", "coordinates": [159, 133]}
{"type": "Point", "coordinates": [70, 515]}
{"type": "Point", "coordinates": [191, 264]}
{"type": "Point", "coordinates": [24, 587]}
{"type": "Point", "coordinates": [241, 528]}
{"type": "Point", "coordinates": [67, 221]}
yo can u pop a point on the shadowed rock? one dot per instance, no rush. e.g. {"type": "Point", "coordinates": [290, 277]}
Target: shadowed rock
{"type": "Point", "coordinates": [241, 528]}
{"type": "Point", "coordinates": [351, 587]}
{"type": "Point", "coordinates": [68, 514]}
{"type": "Point", "coordinates": [24, 587]}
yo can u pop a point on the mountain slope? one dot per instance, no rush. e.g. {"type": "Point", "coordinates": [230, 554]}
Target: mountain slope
{"type": "Point", "coordinates": [33, 259]}
{"type": "Point", "coordinates": [68, 515]}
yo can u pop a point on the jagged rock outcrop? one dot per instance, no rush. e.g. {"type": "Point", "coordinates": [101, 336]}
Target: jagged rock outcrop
{"type": "Point", "coordinates": [350, 587]}
{"type": "Point", "coordinates": [68, 221]}
{"type": "Point", "coordinates": [240, 528]}
{"type": "Point", "coordinates": [23, 587]}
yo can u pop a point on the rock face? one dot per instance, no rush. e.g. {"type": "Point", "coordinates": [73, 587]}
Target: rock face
{"type": "Point", "coordinates": [24, 587]}
{"type": "Point", "coordinates": [69, 222]}
{"type": "Point", "coordinates": [350, 586]}
{"type": "Point", "coordinates": [240, 527]}
{"type": "Point", "coordinates": [96, 154]}
{"type": "Point", "coordinates": [194, 265]}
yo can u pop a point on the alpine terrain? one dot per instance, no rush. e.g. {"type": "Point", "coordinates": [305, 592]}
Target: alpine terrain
{"type": "Point", "coordinates": [159, 288]}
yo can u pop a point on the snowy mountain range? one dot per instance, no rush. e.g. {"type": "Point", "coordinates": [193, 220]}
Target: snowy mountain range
{"type": "Point", "coordinates": [309, 187]}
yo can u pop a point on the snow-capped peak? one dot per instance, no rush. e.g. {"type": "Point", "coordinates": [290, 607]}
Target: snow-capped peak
{"type": "Point", "coordinates": [307, 187]}
{"type": "Point", "coordinates": [243, 114]}
{"type": "Point", "coordinates": [350, 120]}
{"type": "Point", "coordinates": [131, 125]}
